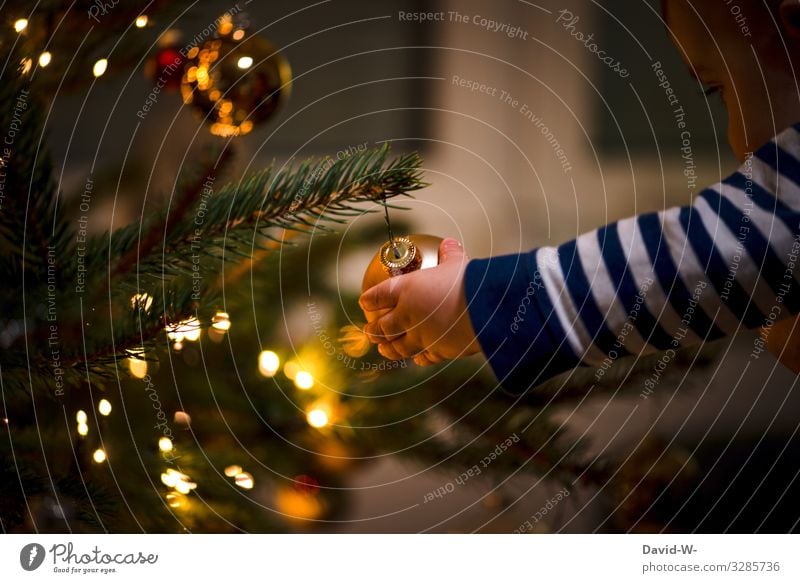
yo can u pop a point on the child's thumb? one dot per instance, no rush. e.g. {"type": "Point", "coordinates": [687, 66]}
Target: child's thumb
{"type": "Point", "coordinates": [451, 250]}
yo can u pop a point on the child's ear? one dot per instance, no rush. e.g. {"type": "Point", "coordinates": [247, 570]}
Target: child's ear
{"type": "Point", "coordinates": [790, 17]}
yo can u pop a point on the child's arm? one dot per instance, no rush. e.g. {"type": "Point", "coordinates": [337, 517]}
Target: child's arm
{"type": "Point", "coordinates": [649, 283]}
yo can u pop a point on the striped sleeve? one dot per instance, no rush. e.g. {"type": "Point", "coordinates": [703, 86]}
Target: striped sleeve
{"type": "Point", "coordinates": [650, 283]}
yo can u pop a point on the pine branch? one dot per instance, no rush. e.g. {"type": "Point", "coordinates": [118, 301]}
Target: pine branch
{"type": "Point", "coordinates": [241, 218]}
{"type": "Point", "coordinates": [191, 192]}
{"type": "Point", "coordinates": [237, 222]}
{"type": "Point", "coordinates": [235, 219]}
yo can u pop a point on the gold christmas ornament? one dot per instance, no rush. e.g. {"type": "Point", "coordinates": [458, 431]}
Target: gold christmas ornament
{"type": "Point", "coordinates": [407, 254]}
{"type": "Point", "coordinates": [395, 257]}
{"type": "Point", "coordinates": [235, 80]}
{"type": "Point", "coordinates": [299, 505]}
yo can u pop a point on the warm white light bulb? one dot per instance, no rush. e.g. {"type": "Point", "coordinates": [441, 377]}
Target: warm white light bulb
{"type": "Point", "coordinates": [165, 444]}
{"type": "Point", "coordinates": [268, 363]}
{"type": "Point", "coordinates": [245, 480]}
{"type": "Point", "coordinates": [100, 67]}
{"type": "Point", "coordinates": [317, 418]}
{"type": "Point", "coordinates": [170, 478]}
{"type": "Point", "coordinates": [104, 407]}
{"type": "Point", "coordinates": [185, 487]}
{"type": "Point", "coordinates": [232, 471]}
{"type": "Point", "coordinates": [190, 329]}
{"type": "Point", "coordinates": [303, 380]}
{"type": "Point", "coordinates": [221, 321]}
{"type": "Point", "coordinates": [143, 301]}
{"type": "Point", "coordinates": [138, 367]}
{"type": "Point", "coordinates": [45, 58]}
{"type": "Point", "coordinates": [244, 62]}
{"type": "Point", "coordinates": [141, 21]}
{"type": "Point", "coordinates": [99, 456]}
{"type": "Point", "coordinates": [21, 24]}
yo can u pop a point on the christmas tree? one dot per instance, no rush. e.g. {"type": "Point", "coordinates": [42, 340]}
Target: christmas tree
{"type": "Point", "coordinates": [151, 376]}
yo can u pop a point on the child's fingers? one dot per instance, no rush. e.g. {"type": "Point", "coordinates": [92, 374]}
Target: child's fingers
{"type": "Point", "coordinates": [420, 360]}
{"type": "Point", "coordinates": [451, 250]}
{"type": "Point", "coordinates": [388, 352]}
{"type": "Point", "coordinates": [425, 359]}
{"type": "Point", "coordinates": [405, 347]}
{"type": "Point", "coordinates": [384, 329]}
{"type": "Point", "coordinates": [380, 297]}
{"type": "Point", "coordinates": [372, 316]}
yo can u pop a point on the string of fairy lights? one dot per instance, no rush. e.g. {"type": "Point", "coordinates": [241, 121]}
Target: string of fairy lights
{"type": "Point", "coordinates": [319, 414]}
{"type": "Point", "coordinates": [230, 84]}
{"type": "Point", "coordinates": [45, 58]}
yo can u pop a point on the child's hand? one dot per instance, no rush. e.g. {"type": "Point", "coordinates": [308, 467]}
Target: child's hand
{"type": "Point", "coordinates": [423, 314]}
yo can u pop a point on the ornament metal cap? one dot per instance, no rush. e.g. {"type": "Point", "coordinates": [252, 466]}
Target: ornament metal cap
{"type": "Point", "coordinates": [415, 252]}
{"type": "Point", "coordinates": [401, 257]}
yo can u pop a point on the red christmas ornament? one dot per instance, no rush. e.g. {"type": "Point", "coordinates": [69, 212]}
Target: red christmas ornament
{"type": "Point", "coordinates": [306, 484]}
{"type": "Point", "coordinates": [165, 68]}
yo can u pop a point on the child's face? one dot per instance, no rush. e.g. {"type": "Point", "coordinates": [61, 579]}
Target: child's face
{"type": "Point", "coordinates": [744, 59]}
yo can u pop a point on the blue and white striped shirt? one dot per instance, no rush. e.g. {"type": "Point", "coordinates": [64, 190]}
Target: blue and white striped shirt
{"type": "Point", "coordinates": [654, 282]}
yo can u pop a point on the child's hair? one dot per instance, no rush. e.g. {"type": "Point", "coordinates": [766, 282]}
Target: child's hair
{"type": "Point", "coordinates": [744, 13]}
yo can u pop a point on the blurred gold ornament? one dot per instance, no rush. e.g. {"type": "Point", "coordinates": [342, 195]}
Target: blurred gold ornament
{"type": "Point", "coordinates": [298, 504]}
{"type": "Point", "coordinates": [407, 254]}
{"type": "Point", "coordinates": [235, 81]}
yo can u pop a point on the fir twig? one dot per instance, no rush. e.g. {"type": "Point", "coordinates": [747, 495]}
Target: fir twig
{"type": "Point", "coordinates": [159, 229]}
